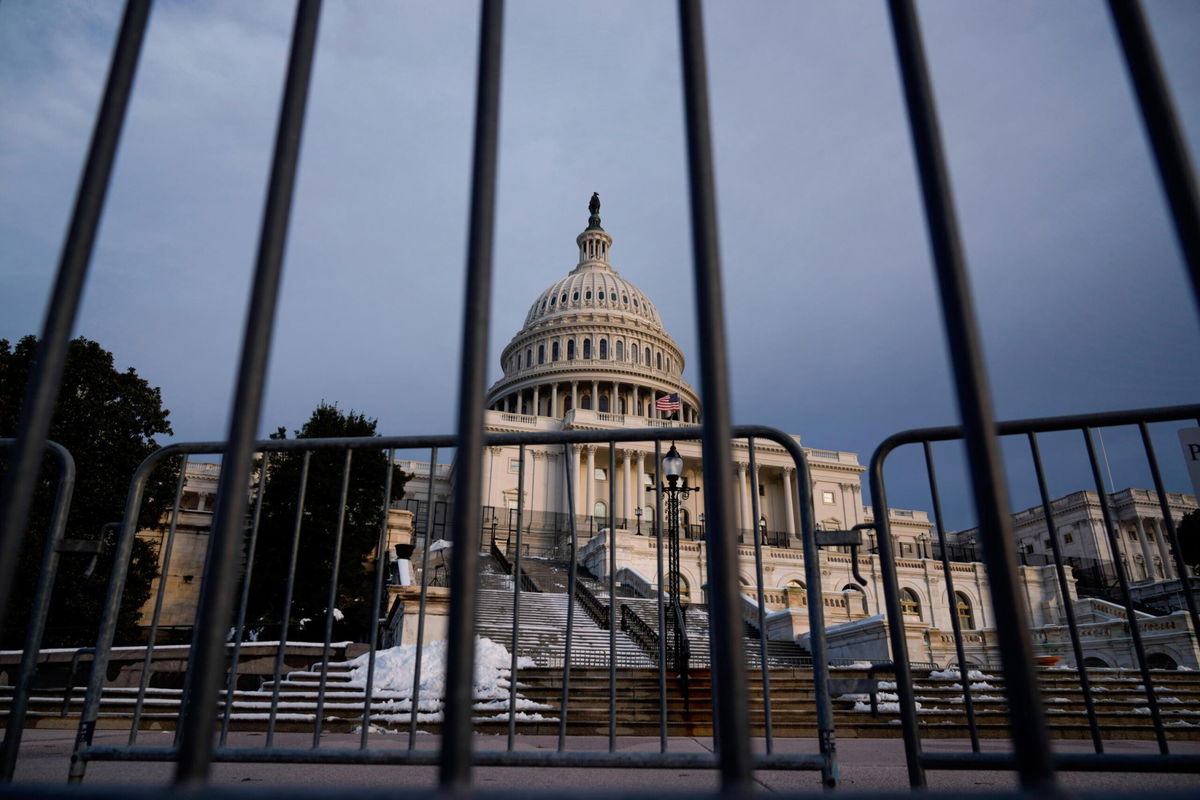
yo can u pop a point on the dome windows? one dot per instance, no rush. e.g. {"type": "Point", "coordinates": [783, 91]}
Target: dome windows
{"type": "Point", "coordinates": [588, 295]}
{"type": "Point", "coordinates": [541, 354]}
{"type": "Point", "coordinates": [633, 352]}
{"type": "Point", "coordinates": [604, 349]}
{"type": "Point", "coordinates": [570, 349]}
{"type": "Point", "coordinates": [647, 356]}
{"type": "Point", "coordinates": [659, 360]}
{"type": "Point", "coordinates": [587, 349]}
{"type": "Point", "coordinates": [529, 357]}
{"type": "Point", "coordinates": [552, 300]}
{"type": "Point", "coordinates": [620, 351]}
{"type": "Point", "coordinates": [563, 299]}
{"type": "Point", "coordinates": [554, 351]}
{"type": "Point", "coordinates": [575, 297]}
{"type": "Point", "coordinates": [625, 299]}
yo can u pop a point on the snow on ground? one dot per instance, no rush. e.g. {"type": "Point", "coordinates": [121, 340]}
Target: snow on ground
{"type": "Point", "coordinates": [393, 681]}
{"type": "Point", "coordinates": [952, 672]}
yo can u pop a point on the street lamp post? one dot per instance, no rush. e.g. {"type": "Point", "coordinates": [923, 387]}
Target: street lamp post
{"type": "Point", "coordinates": [676, 490]}
{"type": "Point", "coordinates": [638, 512]}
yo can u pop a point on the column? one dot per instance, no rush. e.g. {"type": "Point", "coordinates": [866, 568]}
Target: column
{"type": "Point", "coordinates": [589, 481]}
{"type": "Point", "coordinates": [626, 508]}
{"type": "Point", "coordinates": [744, 496]}
{"type": "Point", "coordinates": [530, 505]}
{"type": "Point", "coordinates": [575, 395]}
{"type": "Point", "coordinates": [595, 400]}
{"type": "Point", "coordinates": [1160, 538]}
{"type": "Point", "coordinates": [636, 410]}
{"type": "Point", "coordinates": [613, 405]}
{"type": "Point", "coordinates": [789, 501]}
{"type": "Point", "coordinates": [553, 400]}
{"type": "Point", "coordinates": [549, 489]}
{"type": "Point", "coordinates": [575, 483]}
{"type": "Point", "coordinates": [1149, 559]}
{"type": "Point", "coordinates": [536, 410]}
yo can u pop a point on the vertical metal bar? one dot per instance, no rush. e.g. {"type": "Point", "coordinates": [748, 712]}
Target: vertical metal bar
{"type": "Point", "coordinates": [729, 684]}
{"type": "Point", "coordinates": [826, 734]}
{"type": "Point", "coordinates": [289, 588]}
{"type": "Point", "coordinates": [612, 595]}
{"type": "Point", "coordinates": [416, 692]}
{"type": "Point", "coordinates": [168, 546]}
{"type": "Point", "coordinates": [41, 392]}
{"type": "Point", "coordinates": [764, 668]}
{"type": "Point", "coordinates": [331, 600]}
{"type": "Point", "coordinates": [1064, 590]}
{"type": "Point", "coordinates": [572, 581]}
{"type": "Point", "coordinates": [1171, 532]}
{"type": "Point", "coordinates": [454, 766]}
{"type": "Point", "coordinates": [1135, 633]}
{"type": "Point", "coordinates": [1162, 126]}
{"type": "Point", "coordinates": [895, 618]}
{"type": "Point", "coordinates": [381, 564]}
{"type": "Point", "coordinates": [951, 598]}
{"type": "Point", "coordinates": [41, 608]}
{"type": "Point", "coordinates": [239, 627]}
{"type": "Point", "coordinates": [1032, 749]}
{"type": "Point", "coordinates": [516, 615]}
{"type": "Point", "coordinates": [108, 620]}
{"type": "Point", "coordinates": [216, 596]}
{"type": "Point", "coordinates": [662, 613]}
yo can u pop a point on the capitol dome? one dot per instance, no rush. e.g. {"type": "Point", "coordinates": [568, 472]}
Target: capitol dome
{"type": "Point", "coordinates": [592, 341]}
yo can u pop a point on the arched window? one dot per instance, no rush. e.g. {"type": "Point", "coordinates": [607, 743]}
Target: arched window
{"type": "Point", "coordinates": [604, 406]}
{"type": "Point", "coordinates": [601, 514]}
{"type": "Point", "coordinates": [910, 605]}
{"type": "Point", "coordinates": [966, 617]}
{"type": "Point", "coordinates": [685, 591]}
{"type": "Point", "coordinates": [1093, 661]}
{"type": "Point", "coordinates": [795, 584]}
{"type": "Point", "coordinates": [633, 352]}
{"type": "Point", "coordinates": [570, 349]}
{"type": "Point", "coordinates": [604, 349]}
{"type": "Point", "coordinates": [587, 348]}
{"type": "Point", "coordinates": [541, 354]}
{"type": "Point", "coordinates": [856, 598]}
{"type": "Point", "coordinates": [567, 404]}
{"type": "Point", "coordinates": [620, 351]}
{"type": "Point", "coordinates": [1161, 661]}
{"type": "Point", "coordinates": [647, 356]}
{"type": "Point", "coordinates": [554, 351]}
{"type": "Point", "coordinates": [586, 402]}
{"type": "Point", "coordinates": [529, 357]}
{"type": "Point", "coordinates": [659, 360]}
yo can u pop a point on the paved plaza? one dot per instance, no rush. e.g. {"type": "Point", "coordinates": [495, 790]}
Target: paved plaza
{"type": "Point", "coordinates": [865, 764]}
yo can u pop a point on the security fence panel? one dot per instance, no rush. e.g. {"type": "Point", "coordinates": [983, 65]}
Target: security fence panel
{"type": "Point", "coordinates": [1086, 690]}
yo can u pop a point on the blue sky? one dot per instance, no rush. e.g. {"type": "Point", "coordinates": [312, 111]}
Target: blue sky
{"type": "Point", "coordinates": [835, 332]}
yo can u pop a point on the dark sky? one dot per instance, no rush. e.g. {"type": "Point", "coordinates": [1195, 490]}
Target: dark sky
{"type": "Point", "coordinates": [834, 329]}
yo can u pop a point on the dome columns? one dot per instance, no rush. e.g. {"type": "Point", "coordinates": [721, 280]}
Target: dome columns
{"type": "Point", "coordinates": [556, 398]}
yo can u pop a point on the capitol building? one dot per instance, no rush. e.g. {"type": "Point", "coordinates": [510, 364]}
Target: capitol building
{"type": "Point", "coordinates": [593, 355]}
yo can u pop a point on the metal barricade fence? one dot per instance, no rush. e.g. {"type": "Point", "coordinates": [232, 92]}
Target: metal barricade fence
{"type": "Point", "coordinates": [1033, 760]}
{"type": "Point", "coordinates": [277, 707]}
{"type": "Point", "coordinates": [1020, 679]}
{"type": "Point", "coordinates": [40, 608]}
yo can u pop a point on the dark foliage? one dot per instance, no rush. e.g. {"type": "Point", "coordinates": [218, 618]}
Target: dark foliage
{"type": "Point", "coordinates": [107, 420]}
{"type": "Point", "coordinates": [318, 533]}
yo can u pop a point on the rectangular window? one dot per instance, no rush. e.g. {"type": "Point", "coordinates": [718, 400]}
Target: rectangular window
{"type": "Point", "coordinates": [1068, 538]}
{"type": "Point", "coordinates": [762, 490]}
{"type": "Point", "coordinates": [827, 497]}
{"type": "Point", "coordinates": [514, 465]}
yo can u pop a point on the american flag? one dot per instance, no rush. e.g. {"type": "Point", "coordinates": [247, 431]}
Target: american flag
{"type": "Point", "coordinates": [668, 402]}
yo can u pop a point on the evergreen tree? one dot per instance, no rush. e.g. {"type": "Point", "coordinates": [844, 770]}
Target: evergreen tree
{"type": "Point", "coordinates": [314, 562]}
{"type": "Point", "coordinates": [107, 419]}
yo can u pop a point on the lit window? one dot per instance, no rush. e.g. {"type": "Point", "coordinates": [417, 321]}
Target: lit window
{"type": "Point", "coordinates": [827, 498]}
{"type": "Point", "coordinates": [910, 606]}
{"type": "Point", "coordinates": [966, 619]}
{"type": "Point", "coordinates": [601, 474]}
